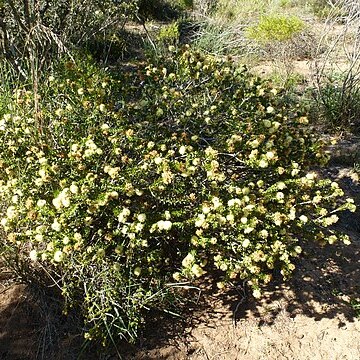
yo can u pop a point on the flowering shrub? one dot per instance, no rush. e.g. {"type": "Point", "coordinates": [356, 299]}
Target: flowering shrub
{"type": "Point", "coordinates": [171, 171]}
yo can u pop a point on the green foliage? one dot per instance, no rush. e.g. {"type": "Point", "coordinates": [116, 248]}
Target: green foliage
{"type": "Point", "coordinates": [180, 168]}
{"type": "Point", "coordinates": [321, 8]}
{"type": "Point", "coordinates": [163, 9]}
{"type": "Point", "coordinates": [355, 304]}
{"type": "Point", "coordinates": [285, 3]}
{"type": "Point", "coordinates": [169, 35]}
{"type": "Point", "coordinates": [275, 28]}
{"type": "Point", "coordinates": [237, 9]}
{"type": "Point", "coordinates": [357, 168]}
{"type": "Point", "coordinates": [338, 99]}
{"type": "Point", "coordinates": [187, 3]}
{"type": "Point", "coordinates": [8, 78]}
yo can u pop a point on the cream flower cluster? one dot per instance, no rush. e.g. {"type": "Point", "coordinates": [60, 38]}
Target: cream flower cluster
{"type": "Point", "coordinates": [62, 200]}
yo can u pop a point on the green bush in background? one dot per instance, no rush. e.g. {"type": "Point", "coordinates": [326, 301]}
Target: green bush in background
{"type": "Point", "coordinates": [120, 187]}
{"type": "Point", "coordinates": [272, 28]}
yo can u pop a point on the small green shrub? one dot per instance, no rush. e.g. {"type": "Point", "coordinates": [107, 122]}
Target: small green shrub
{"type": "Point", "coordinates": [275, 28]}
{"type": "Point", "coordinates": [169, 35]}
{"type": "Point", "coordinates": [180, 168]}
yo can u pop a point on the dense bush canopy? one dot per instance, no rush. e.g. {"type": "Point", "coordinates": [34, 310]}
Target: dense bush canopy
{"type": "Point", "coordinates": [167, 172]}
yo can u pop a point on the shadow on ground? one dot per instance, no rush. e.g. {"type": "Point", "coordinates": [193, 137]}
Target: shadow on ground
{"type": "Point", "coordinates": [323, 286]}
{"type": "Point", "coordinates": [32, 326]}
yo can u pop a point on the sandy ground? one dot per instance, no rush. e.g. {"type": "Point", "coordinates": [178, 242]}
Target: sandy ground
{"type": "Point", "coordinates": [308, 318]}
